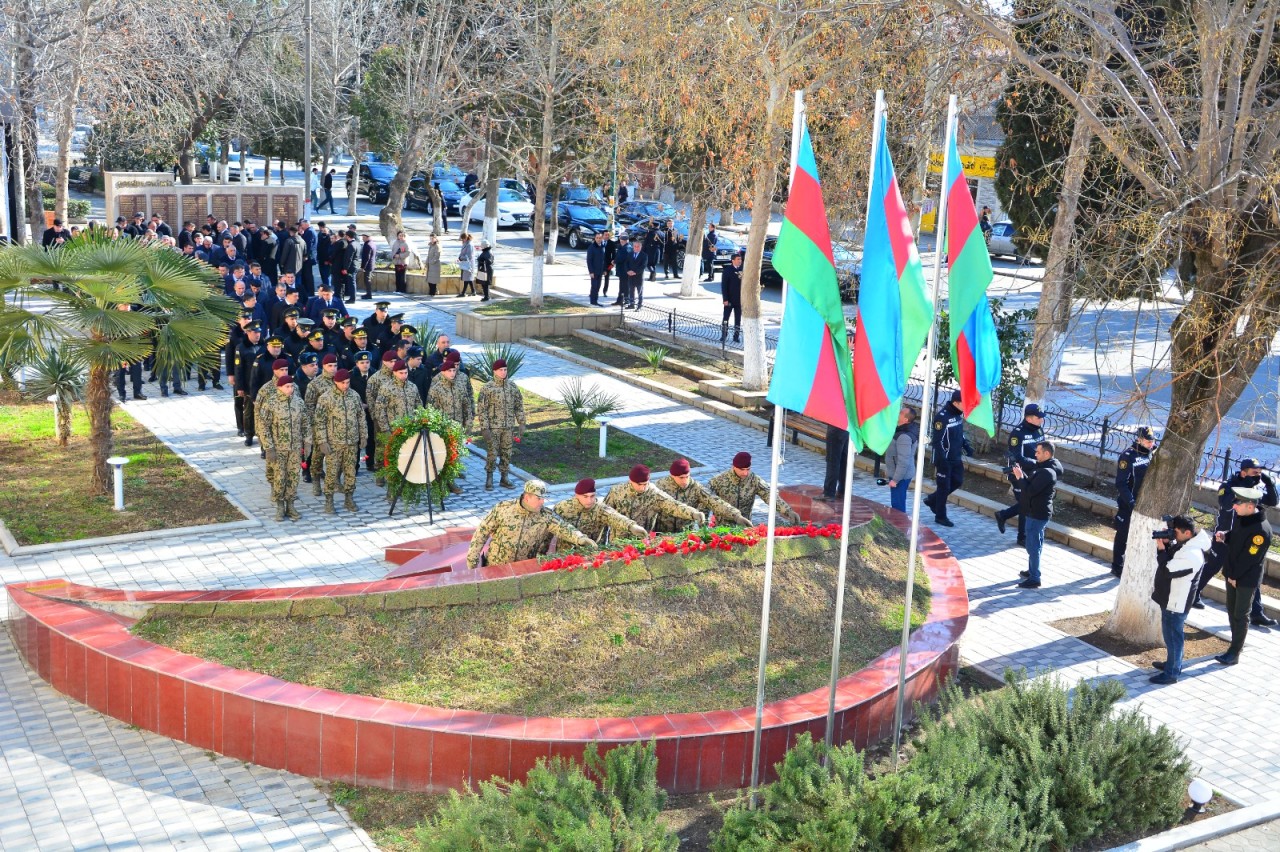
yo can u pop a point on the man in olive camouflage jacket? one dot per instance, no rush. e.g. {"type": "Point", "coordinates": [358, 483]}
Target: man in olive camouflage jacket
{"type": "Point", "coordinates": [739, 487]}
{"type": "Point", "coordinates": [318, 387]}
{"type": "Point", "coordinates": [501, 411]}
{"type": "Point", "coordinates": [340, 433]}
{"type": "Point", "coordinates": [683, 487]}
{"type": "Point", "coordinates": [592, 518]}
{"type": "Point", "coordinates": [643, 503]}
{"type": "Point", "coordinates": [521, 529]}
{"type": "Point", "coordinates": [451, 393]}
{"type": "Point", "coordinates": [373, 387]}
{"type": "Point", "coordinates": [396, 399]}
{"type": "Point", "coordinates": [286, 434]}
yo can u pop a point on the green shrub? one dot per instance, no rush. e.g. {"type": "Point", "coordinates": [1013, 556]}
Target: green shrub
{"type": "Point", "coordinates": [656, 356]}
{"type": "Point", "coordinates": [78, 209]}
{"type": "Point", "coordinates": [47, 190]}
{"type": "Point", "coordinates": [509, 352]}
{"type": "Point", "coordinates": [560, 807]}
{"type": "Point", "coordinates": [1033, 766]}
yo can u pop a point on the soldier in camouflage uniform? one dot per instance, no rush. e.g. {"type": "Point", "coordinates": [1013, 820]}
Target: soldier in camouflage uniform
{"type": "Point", "coordinates": [318, 387]}
{"type": "Point", "coordinates": [521, 529]}
{"type": "Point", "coordinates": [592, 518]}
{"type": "Point", "coordinates": [683, 487]}
{"type": "Point", "coordinates": [395, 400]}
{"type": "Point", "coordinates": [376, 383]}
{"type": "Point", "coordinates": [643, 503]}
{"type": "Point", "coordinates": [739, 487]}
{"type": "Point", "coordinates": [340, 434]}
{"type": "Point", "coordinates": [267, 396]}
{"type": "Point", "coordinates": [501, 411]}
{"type": "Point", "coordinates": [451, 393]}
{"type": "Point", "coordinates": [286, 432]}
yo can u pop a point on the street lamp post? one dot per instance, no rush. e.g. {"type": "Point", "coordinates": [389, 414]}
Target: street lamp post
{"type": "Point", "coordinates": [613, 186]}
{"type": "Point", "coordinates": [306, 100]}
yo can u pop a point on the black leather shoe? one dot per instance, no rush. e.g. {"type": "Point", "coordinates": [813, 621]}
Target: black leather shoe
{"type": "Point", "coordinates": [1021, 542]}
{"type": "Point", "coordinates": [1197, 604]}
{"type": "Point", "coordinates": [217, 386]}
{"type": "Point", "coordinates": [1162, 679]}
{"type": "Point", "coordinates": [1028, 584]}
{"type": "Point", "coordinates": [1000, 522]}
{"type": "Point", "coordinates": [248, 442]}
{"type": "Point", "coordinates": [1227, 660]}
{"type": "Point", "coordinates": [1024, 574]}
{"type": "Point", "coordinates": [1263, 621]}
{"type": "Point", "coordinates": [1116, 572]}
{"type": "Point", "coordinates": [239, 433]}
{"type": "Point", "coordinates": [1159, 664]}
{"type": "Point", "coordinates": [944, 522]}
{"type": "Point", "coordinates": [180, 392]}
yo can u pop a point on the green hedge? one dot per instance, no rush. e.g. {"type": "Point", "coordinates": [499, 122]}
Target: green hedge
{"type": "Point", "coordinates": [1034, 766]}
{"type": "Point", "coordinates": [77, 208]}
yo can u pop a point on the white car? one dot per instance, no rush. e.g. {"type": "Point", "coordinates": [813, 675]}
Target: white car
{"type": "Point", "coordinates": [514, 210]}
{"type": "Point", "coordinates": [1001, 242]}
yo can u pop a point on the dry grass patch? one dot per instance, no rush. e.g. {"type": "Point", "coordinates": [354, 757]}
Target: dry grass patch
{"type": "Point", "coordinates": [680, 644]}
{"type": "Point", "coordinates": [523, 307]}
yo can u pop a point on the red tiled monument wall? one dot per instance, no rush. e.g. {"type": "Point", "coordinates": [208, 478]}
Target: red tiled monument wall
{"type": "Point", "coordinates": [88, 654]}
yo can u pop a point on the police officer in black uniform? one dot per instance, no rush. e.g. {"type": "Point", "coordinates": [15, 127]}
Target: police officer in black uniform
{"type": "Point", "coordinates": [1131, 467]}
{"type": "Point", "coordinates": [318, 345]}
{"type": "Point", "coordinates": [1022, 452]}
{"type": "Point", "coordinates": [235, 337]}
{"type": "Point", "coordinates": [296, 343]}
{"type": "Point", "coordinates": [330, 329]}
{"type": "Point", "coordinates": [378, 327]}
{"type": "Point", "coordinates": [1251, 475]}
{"type": "Point", "coordinates": [949, 448]}
{"type": "Point", "coordinates": [243, 367]}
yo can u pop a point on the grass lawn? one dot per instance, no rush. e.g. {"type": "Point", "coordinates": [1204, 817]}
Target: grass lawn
{"type": "Point", "coordinates": [553, 451]}
{"type": "Point", "coordinates": [676, 645]}
{"type": "Point", "coordinates": [45, 495]}
{"type": "Point", "coordinates": [522, 306]}
{"type": "Point", "coordinates": [621, 360]}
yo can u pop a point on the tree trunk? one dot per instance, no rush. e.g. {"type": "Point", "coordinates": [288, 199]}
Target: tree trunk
{"type": "Point", "coordinates": [693, 248]}
{"type": "Point", "coordinates": [187, 165]}
{"type": "Point", "coordinates": [1054, 311]}
{"type": "Point", "coordinates": [62, 419]}
{"type": "Point", "coordinates": [357, 157]}
{"type": "Point", "coordinates": [726, 216]}
{"type": "Point", "coordinates": [390, 217]}
{"type": "Point", "coordinates": [98, 401]}
{"type": "Point", "coordinates": [491, 188]}
{"type": "Point", "coordinates": [224, 157]}
{"type": "Point", "coordinates": [764, 184]}
{"type": "Point", "coordinates": [553, 234]}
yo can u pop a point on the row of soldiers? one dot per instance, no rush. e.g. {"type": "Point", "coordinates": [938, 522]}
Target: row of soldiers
{"type": "Point", "coordinates": [524, 528]}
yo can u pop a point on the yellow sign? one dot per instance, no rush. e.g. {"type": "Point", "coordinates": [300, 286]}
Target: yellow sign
{"type": "Point", "coordinates": [974, 167]}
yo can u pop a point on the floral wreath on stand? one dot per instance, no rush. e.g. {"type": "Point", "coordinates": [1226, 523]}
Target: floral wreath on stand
{"type": "Point", "coordinates": [404, 430]}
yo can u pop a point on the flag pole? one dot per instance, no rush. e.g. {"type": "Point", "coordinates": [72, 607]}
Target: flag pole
{"type": "Point", "coordinates": [797, 121]}
{"type": "Point", "coordinates": [925, 416]}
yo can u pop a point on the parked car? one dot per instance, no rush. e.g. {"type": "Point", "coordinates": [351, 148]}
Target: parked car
{"type": "Point", "coordinates": [1001, 242]}
{"type": "Point", "coordinates": [579, 193]}
{"type": "Point", "coordinates": [441, 172]}
{"type": "Point", "coordinates": [848, 268]}
{"type": "Point", "coordinates": [375, 181]}
{"type": "Point", "coordinates": [579, 223]}
{"type": "Point", "coordinates": [417, 197]}
{"type": "Point", "coordinates": [514, 210]}
{"type": "Point", "coordinates": [515, 186]}
{"type": "Point", "coordinates": [641, 211]}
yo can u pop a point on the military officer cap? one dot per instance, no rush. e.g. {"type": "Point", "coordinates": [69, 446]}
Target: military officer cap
{"type": "Point", "coordinates": [1250, 463]}
{"type": "Point", "coordinates": [399, 366]}
{"type": "Point", "coordinates": [415, 351]}
{"type": "Point", "coordinates": [955, 395]}
{"type": "Point", "coordinates": [306, 322]}
{"type": "Point", "coordinates": [349, 322]}
{"type": "Point", "coordinates": [291, 312]}
{"type": "Point", "coordinates": [388, 357]}
{"type": "Point", "coordinates": [397, 317]}
{"type": "Point", "coordinates": [274, 340]}
{"type": "Point", "coordinates": [317, 335]}
{"type": "Point", "coordinates": [280, 364]}
{"type": "Point", "coordinates": [585, 486]}
{"type": "Point", "coordinates": [328, 359]}
{"type": "Point", "coordinates": [363, 356]}
{"type": "Point", "coordinates": [1247, 495]}
{"type": "Point", "coordinates": [381, 306]}
{"type": "Point", "coordinates": [307, 358]}
{"type": "Point", "coordinates": [408, 331]}
{"type": "Point", "coordinates": [360, 332]}
{"type": "Point", "coordinates": [742, 461]}
{"type": "Point", "coordinates": [1146, 433]}
{"type": "Point", "coordinates": [500, 364]}
{"type": "Point", "coordinates": [253, 326]}
{"type": "Point", "coordinates": [329, 313]}
{"type": "Point", "coordinates": [536, 487]}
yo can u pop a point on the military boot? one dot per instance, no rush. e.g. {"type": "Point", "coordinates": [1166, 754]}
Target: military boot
{"type": "Point", "coordinates": [350, 503]}
{"type": "Point", "coordinates": [280, 510]}
{"type": "Point", "coordinates": [315, 486]}
{"type": "Point", "coordinates": [506, 483]}
{"type": "Point", "coordinates": [290, 512]}
{"type": "Point", "coordinates": [328, 504]}
{"type": "Point", "coordinates": [488, 480]}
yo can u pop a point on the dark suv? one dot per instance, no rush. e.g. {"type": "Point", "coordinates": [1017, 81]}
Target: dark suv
{"type": "Point", "coordinates": [417, 196]}
{"type": "Point", "coordinates": [641, 211]}
{"type": "Point", "coordinates": [579, 223]}
{"type": "Point", "coordinates": [375, 181]}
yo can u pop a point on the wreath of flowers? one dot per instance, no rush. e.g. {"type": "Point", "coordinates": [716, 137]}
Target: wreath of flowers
{"type": "Point", "coordinates": [723, 538]}
{"type": "Point", "coordinates": [436, 422]}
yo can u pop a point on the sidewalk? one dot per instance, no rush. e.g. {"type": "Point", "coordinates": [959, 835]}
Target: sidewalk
{"type": "Point", "coordinates": [73, 772]}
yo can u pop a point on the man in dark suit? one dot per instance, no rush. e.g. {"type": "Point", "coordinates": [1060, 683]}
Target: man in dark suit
{"type": "Point", "coordinates": [612, 247]}
{"type": "Point", "coordinates": [55, 236]}
{"type": "Point", "coordinates": [325, 301]}
{"type": "Point", "coordinates": [632, 263]}
{"type": "Point", "coordinates": [709, 252]}
{"type": "Point", "coordinates": [731, 295]}
{"type": "Point", "coordinates": [596, 265]}
{"type": "Point", "coordinates": [307, 277]}
{"type": "Point", "coordinates": [367, 258]}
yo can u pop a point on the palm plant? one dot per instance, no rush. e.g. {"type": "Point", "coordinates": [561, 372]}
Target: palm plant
{"type": "Point", "coordinates": [656, 356]}
{"type": "Point", "coordinates": [585, 404]}
{"type": "Point", "coordinates": [59, 376]}
{"type": "Point", "coordinates": [481, 365]}
{"type": "Point", "coordinates": [119, 302]}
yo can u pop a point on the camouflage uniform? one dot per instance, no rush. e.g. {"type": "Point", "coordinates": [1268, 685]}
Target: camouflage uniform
{"type": "Point", "coordinates": [695, 495]}
{"type": "Point", "coordinates": [395, 400]}
{"type": "Point", "coordinates": [501, 410]}
{"type": "Point", "coordinates": [316, 388]}
{"type": "Point", "coordinates": [266, 398]}
{"type": "Point", "coordinates": [644, 507]}
{"type": "Point", "coordinates": [340, 425]}
{"type": "Point", "coordinates": [519, 533]}
{"type": "Point", "coordinates": [453, 397]}
{"type": "Point", "coordinates": [594, 521]}
{"type": "Point", "coordinates": [376, 383]}
{"type": "Point", "coordinates": [286, 429]}
{"type": "Point", "coordinates": [741, 493]}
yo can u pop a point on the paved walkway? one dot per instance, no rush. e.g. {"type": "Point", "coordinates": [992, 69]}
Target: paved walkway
{"type": "Point", "coordinates": [1260, 838]}
{"type": "Point", "coordinates": [75, 779]}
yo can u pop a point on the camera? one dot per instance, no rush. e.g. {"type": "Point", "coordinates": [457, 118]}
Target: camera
{"type": "Point", "coordinates": [1008, 469]}
{"type": "Point", "coordinates": [1165, 534]}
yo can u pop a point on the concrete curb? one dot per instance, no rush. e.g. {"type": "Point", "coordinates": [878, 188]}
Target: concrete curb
{"type": "Point", "coordinates": [110, 540]}
{"type": "Point", "coordinates": [1199, 832]}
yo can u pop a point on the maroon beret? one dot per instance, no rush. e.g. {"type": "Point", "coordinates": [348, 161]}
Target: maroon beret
{"type": "Point", "coordinates": [500, 364]}
{"type": "Point", "coordinates": [329, 359]}
{"type": "Point", "coordinates": [742, 461]}
{"type": "Point", "coordinates": [284, 380]}
{"type": "Point", "coordinates": [639, 474]}
{"type": "Point", "coordinates": [585, 486]}
{"type": "Point", "coordinates": [398, 366]}
{"type": "Point", "coordinates": [388, 357]}
{"type": "Point", "coordinates": [280, 364]}
{"type": "Point", "coordinates": [342, 376]}
{"type": "Point", "coordinates": [679, 467]}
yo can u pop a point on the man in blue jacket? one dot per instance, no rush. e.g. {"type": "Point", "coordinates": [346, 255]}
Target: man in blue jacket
{"type": "Point", "coordinates": [950, 446]}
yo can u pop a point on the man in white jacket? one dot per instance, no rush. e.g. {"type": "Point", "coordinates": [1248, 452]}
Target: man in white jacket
{"type": "Point", "coordinates": [1178, 566]}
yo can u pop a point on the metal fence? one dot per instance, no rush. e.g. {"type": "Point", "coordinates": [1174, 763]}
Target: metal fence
{"type": "Point", "coordinates": [678, 326]}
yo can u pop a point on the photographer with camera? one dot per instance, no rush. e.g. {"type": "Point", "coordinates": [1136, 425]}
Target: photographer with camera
{"type": "Point", "coordinates": [1021, 453]}
{"type": "Point", "coordinates": [1251, 475]}
{"type": "Point", "coordinates": [1131, 468]}
{"type": "Point", "coordinates": [1246, 545]}
{"type": "Point", "coordinates": [1038, 485]}
{"type": "Point", "coordinates": [1180, 550]}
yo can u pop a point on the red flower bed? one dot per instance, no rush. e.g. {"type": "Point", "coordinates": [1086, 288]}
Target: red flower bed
{"type": "Point", "coordinates": [690, 543]}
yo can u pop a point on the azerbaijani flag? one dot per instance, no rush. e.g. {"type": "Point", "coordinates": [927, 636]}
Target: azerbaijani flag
{"type": "Point", "coordinates": [812, 372]}
{"type": "Point", "coordinates": [975, 348]}
{"type": "Point", "coordinates": [894, 311]}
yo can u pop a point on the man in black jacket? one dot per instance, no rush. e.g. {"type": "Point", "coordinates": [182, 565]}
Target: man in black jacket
{"type": "Point", "coordinates": [950, 446]}
{"type": "Point", "coordinates": [731, 296]}
{"type": "Point", "coordinates": [1131, 469]}
{"type": "Point", "coordinates": [612, 248]}
{"type": "Point", "coordinates": [243, 371]}
{"type": "Point", "coordinates": [1038, 486]}
{"type": "Point", "coordinates": [709, 252]}
{"type": "Point", "coordinates": [1247, 543]}
{"type": "Point", "coordinates": [596, 265]}
{"type": "Point", "coordinates": [631, 265]}
{"type": "Point", "coordinates": [1021, 451]}
{"type": "Point", "coordinates": [1251, 475]}
{"type": "Point", "coordinates": [368, 255]}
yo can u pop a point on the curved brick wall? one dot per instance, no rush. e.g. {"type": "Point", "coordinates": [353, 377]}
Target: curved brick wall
{"type": "Point", "coordinates": [86, 652]}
